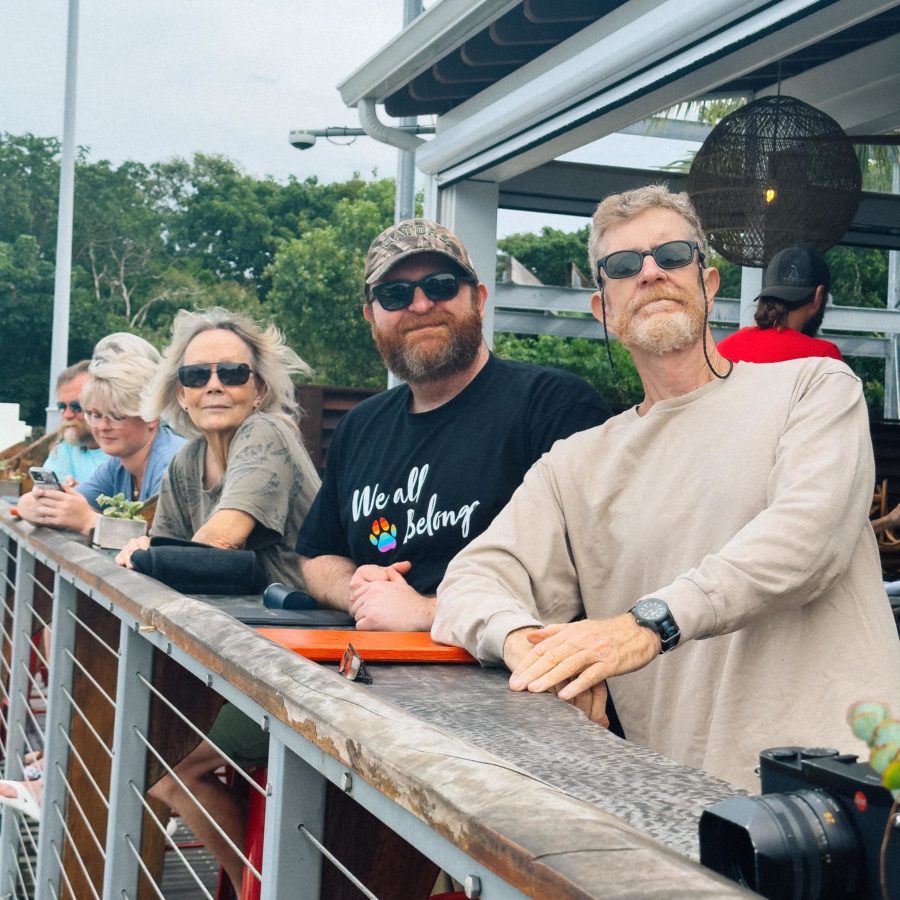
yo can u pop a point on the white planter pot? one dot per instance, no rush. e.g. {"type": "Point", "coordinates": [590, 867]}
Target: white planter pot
{"type": "Point", "coordinates": [114, 534]}
{"type": "Point", "coordinates": [9, 488]}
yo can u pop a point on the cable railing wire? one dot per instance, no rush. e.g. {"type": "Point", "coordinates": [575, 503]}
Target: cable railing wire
{"type": "Point", "coordinates": [144, 869]}
{"type": "Point", "coordinates": [111, 650]}
{"type": "Point", "coordinates": [90, 678]}
{"type": "Point", "coordinates": [76, 854]}
{"type": "Point", "coordinates": [62, 870]}
{"type": "Point", "coordinates": [84, 769]}
{"type": "Point", "coordinates": [81, 812]}
{"type": "Point", "coordinates": [236, 766]}
{"type": "Point", "coordinates": [37, 583]}
{"type": "Point", "coordinates": [204, 812]}
{"type": "Point", "coordinates": [81, 715]}
{"type": "Point", "coordinates": [336, 863]}
{"type": "Point", "coordinates": [170, 840]}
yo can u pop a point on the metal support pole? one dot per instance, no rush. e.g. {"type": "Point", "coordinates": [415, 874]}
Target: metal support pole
{"type": "Point", "coordinates": [469, 209]}
{"type": "Point", "coordinates": [59, 352]}
{"type": "Point", "coordinates": [292, 867]}
{"type": "Point", "coordinates": [129, 763]}
{"type": "Point", "coordinates": [891, 381]}
{"type": "Point", "coordinates": [405, 196]}
{"type": "Point", "coordinates": [893, 288]}
{"type": "Point", "coordinates": [56, 750]}
{"type": "Point", "coordinates": [891, 386]}
{"type": "Point", "coordinates": [751, 285]}
{"type": "Point", "coordinates": [16, 713]}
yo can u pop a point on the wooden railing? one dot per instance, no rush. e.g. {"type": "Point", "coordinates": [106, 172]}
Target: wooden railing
{"type": "Point", "coordinates": [512, 795]}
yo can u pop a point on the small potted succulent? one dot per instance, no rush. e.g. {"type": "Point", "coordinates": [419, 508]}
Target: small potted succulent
{"type": "Point", "coordinates": [121, 520]}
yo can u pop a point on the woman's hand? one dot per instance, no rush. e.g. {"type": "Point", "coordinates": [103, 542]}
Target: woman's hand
{"type": "Point", "coordinates": [58, 509]}
{"type": "Point", "coordinates": [123, 557]}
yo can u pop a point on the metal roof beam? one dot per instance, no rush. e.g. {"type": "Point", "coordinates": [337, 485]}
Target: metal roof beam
{"type": "Point", "coordinates": [505, 123]}
{"type": "Point", "coordinates": [848, 90]}
{"type": "Point", "coordinates": [576, 188]}
{"type": "Point", "coordinates": [427, 38]}
{"type": "Point", "coordinates": [512, 322]}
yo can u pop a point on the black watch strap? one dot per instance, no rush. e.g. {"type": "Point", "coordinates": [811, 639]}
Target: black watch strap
{"type": "Point", "coordinates": [653, 613]}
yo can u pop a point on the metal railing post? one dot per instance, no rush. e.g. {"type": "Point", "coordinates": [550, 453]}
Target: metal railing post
{"type": "Point", "coordinates": [16, 712]}
{"type": "Point", "coordinates": [291, 865]}
{"type": "Point", "coordinates": [56, 749]}
{"type": "Point", "coordinates": [129, 761]}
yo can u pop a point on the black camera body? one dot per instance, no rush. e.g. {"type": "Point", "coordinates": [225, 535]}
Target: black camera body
{"type": "Point", "coordinates": [815, 832]}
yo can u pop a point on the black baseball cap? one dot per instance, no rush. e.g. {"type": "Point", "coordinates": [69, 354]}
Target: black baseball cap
{"type": "Point", "coordinates": [793, 274]}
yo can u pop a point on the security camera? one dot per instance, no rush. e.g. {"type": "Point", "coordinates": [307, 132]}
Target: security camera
{"type": "Point", "coordinates": [302, 140]}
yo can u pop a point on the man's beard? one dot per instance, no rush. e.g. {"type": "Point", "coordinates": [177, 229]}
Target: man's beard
{"type": "Point", "coordinates": [665, 331]}
{"type": "Point", "coordinates": [423, 361]}
{"type": "Point", "coordinates": [77, 433]}
{"type": "Point", "coordinates": [811, 328]}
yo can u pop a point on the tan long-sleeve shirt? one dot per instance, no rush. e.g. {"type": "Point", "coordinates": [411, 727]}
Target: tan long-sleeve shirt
{"type": "Point", "coordinates": [744, 505]}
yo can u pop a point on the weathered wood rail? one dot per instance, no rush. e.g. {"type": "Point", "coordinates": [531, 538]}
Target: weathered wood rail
{"type": "Point", "coordinates": [516, 793]}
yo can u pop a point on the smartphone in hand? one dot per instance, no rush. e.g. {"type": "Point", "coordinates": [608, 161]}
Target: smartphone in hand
{"type": "Point", "coordinates": [45, 478]}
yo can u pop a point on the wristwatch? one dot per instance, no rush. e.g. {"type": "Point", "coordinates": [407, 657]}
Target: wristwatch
{"type": "Point", "coordinates": [651, 612]}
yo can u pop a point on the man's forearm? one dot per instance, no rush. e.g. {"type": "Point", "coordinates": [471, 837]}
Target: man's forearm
{"type": "Point", "coordinates": [327, 578]}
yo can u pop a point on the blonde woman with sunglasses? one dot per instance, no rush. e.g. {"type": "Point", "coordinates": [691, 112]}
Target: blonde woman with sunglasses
{"type": "Point", "coordinates": [244, 481]}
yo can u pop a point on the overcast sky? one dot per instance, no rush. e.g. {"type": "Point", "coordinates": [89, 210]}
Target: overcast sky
{"type": "Point", "coordinates": [164, 78]}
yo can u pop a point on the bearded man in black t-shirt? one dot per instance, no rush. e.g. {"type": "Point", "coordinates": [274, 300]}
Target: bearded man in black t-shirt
{"type": "Point", "coordinates": [416, 473]}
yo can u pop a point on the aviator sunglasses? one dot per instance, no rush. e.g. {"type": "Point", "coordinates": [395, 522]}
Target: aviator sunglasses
{"type": "Point", "coordinates": [75, 406]}
{"type": "Point", "coordinates": [230, 374]}
{"type": "Point", "coordinates": [670, 255]}
{"type": "Point", "coordinates": [394, 295]}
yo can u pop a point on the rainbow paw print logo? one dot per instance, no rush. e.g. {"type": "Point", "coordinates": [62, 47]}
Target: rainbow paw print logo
{"type": "Point", "coordinates": [384, 535]}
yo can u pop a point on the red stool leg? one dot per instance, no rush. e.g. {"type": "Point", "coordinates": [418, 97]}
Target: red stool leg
{"type": "Point", "coordinates": [253, 840]}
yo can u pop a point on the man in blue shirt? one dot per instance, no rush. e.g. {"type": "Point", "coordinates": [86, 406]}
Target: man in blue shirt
{"type": "Point", "coordinates": [77, 454]}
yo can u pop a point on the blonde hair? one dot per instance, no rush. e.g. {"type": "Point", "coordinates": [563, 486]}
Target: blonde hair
{"type": "Point", "coordinates": [123, 343]}
{"type": "Point", "coordinates": [618, 208]}
{"type": "Point", "coordinates": [272, 362]}
{"type": "Point", "coordinates": [116, 385]}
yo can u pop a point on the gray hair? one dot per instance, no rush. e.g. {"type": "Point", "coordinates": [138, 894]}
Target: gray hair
{"type": "Point", "coordinates": [117, 383]}
{"type": "Point", "coordinates": [619, 208]}
{"type": "Point", "coordinates": [273, 363]}
{"type": "Point", "coordinates": [72, 372]}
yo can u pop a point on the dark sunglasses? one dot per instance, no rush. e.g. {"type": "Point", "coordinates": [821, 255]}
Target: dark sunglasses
{"type": "Point", "coordinates": [394, 295]}
{"type": "Point", "coordinates": [670, 255]}
{"type": "Point", "coordinates": [75, 406]}
{"type": "Point", "coordinates": [229, 374]}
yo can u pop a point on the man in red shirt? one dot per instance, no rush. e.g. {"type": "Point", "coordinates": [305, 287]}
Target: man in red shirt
{"type": "Point", "coordinates": [790, 310]}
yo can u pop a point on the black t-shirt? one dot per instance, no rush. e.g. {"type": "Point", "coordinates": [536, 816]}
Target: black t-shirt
{"type": "Point", "coordinates": [419, 487]}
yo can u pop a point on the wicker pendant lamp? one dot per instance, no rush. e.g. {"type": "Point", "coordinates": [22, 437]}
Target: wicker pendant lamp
{"type": "Point", "coordinates": [773, 173]}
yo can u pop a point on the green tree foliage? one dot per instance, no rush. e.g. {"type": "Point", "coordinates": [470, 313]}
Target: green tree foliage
{"type": "Point", "coordinates": [149, 240]}
{"type": "Point", "coordinates": [548, 254]}
{"type": "Point", "coordinates": [620, 386]}
{"type": "Point", "coordinates": [317, 295]}
{"type": "Point", "coordinates": [29, 185]}
{"type": "Point", "coordinates": [26, 291]}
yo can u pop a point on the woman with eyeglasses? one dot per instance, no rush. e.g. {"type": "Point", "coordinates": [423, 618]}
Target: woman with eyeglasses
{"type": "Point", "coordinates": [244, 481]}
{"type": "Point", "coordinates": [139, 449]}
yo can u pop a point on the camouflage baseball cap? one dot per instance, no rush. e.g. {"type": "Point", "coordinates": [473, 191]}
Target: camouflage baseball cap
{"type": "Point", "coordinates": [409, 237]}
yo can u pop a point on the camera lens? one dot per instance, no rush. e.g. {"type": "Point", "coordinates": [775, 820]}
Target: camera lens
{"type": "Point", "coordinates": [800, 845]}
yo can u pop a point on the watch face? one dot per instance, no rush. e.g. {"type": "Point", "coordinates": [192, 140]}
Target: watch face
{"type": "Point", "coordinates": [652, 610]}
